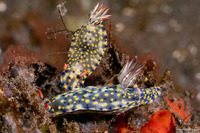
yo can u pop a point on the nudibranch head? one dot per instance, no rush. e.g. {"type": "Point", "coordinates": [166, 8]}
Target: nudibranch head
{"type": "Point", "coordinates": [110, 99]}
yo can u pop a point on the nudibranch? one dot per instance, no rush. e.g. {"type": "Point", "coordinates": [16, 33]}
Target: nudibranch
{"type": "Point", "coordinates": [87, 48]}
{"type": "Point", "coordinates": [109, 98]}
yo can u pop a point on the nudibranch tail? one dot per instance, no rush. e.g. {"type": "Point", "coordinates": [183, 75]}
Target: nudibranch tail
{"type": "Point", "coordinates": [109, 99]}
{"type": "Point", "coordinates": [129, 73]}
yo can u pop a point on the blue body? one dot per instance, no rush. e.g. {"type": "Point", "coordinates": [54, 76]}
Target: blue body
{"type": "Point", "coordinates": [109, 98]}
{"type": "Point", "coordinates": [87, 48]}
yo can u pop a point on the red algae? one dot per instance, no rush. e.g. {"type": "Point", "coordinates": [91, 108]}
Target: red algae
{"type": "Point", "coordinates": [178, 107]}
{"type": "Point", "coordinates": [161, 122]}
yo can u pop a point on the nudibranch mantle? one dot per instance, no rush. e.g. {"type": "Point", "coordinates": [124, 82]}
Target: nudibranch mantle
{"type": "Point", "coordinates": [87, 48]}
{"type": "Point", "coordinates": [109, 98]}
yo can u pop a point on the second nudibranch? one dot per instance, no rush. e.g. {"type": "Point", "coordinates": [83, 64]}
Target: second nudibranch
{"type": "Point", "coordinates": [109, 98]}
{"type": "Point", "coordinates": [87, 48]}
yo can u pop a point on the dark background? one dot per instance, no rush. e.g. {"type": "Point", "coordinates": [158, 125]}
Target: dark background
{"type": "Point", "coordinates": [169, 30]}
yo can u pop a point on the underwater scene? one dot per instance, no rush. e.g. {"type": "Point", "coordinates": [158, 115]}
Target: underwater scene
{"type": "Point", "coordinates": [99, 66]}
